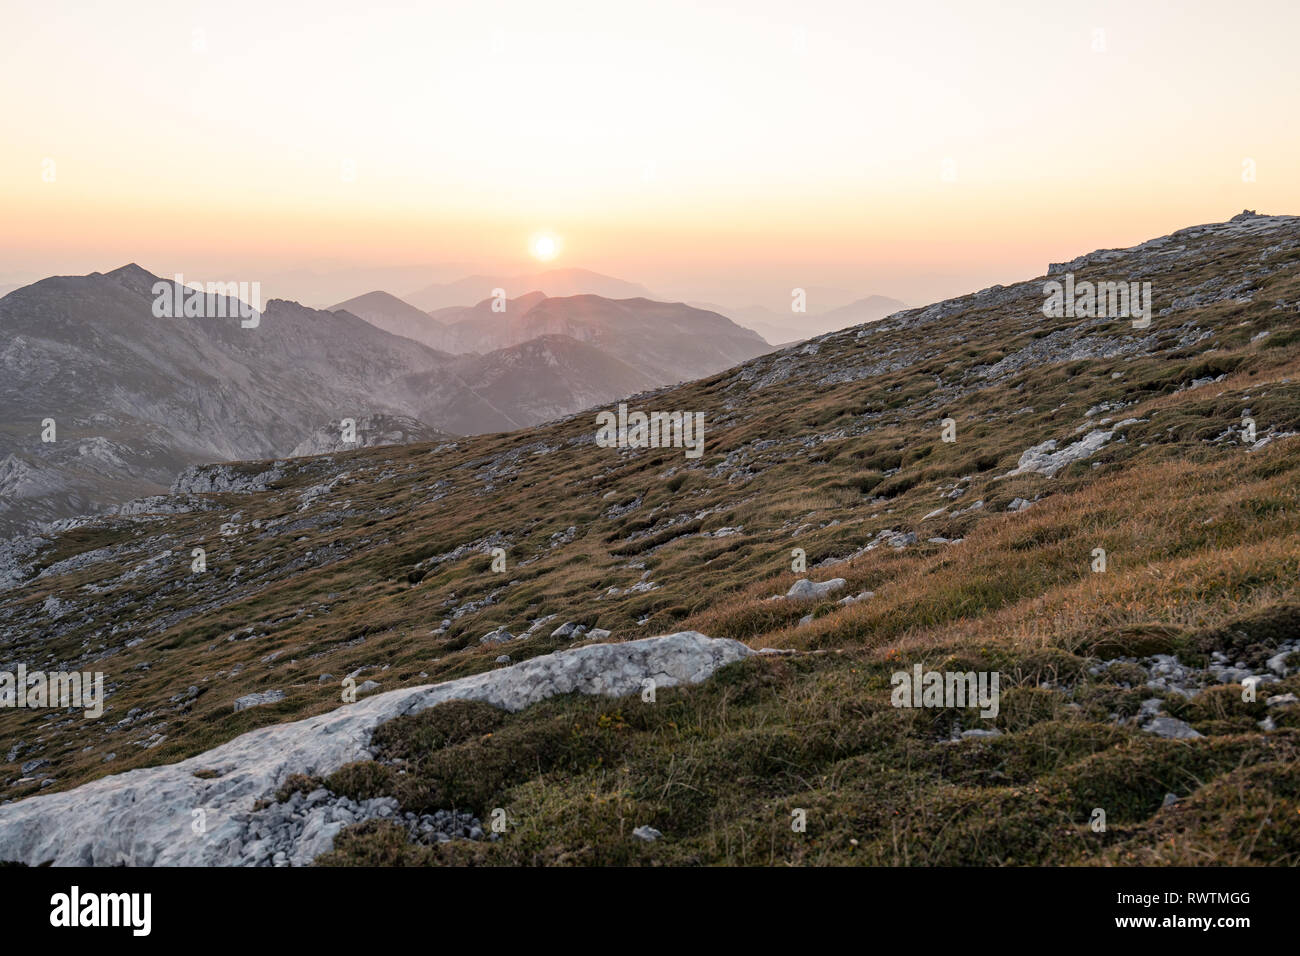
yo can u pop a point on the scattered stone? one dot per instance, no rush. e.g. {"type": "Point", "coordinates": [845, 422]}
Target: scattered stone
{"type": "Point", "coordinates": [1172, 728]}
{"type": "Point", "coordinates": [806, 590]}
{"type": "Point", "coordinates": [860, 596]}
{"type": "Point", "coordinates": [295, 832]}
{"type": "Point", "coordinates": [1044, 459]}
{"type": "Point", "coordinates": [649, 834]}
{"type": "Point", "coordinates": [258, 700]}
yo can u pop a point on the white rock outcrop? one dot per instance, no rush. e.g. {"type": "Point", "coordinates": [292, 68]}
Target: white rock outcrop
{"type": "Point", "coordinates": [207, 479]}
{"type": "Point", "coordinates": [807, 590]}
{"type": "Point", "coordinates": [1044, 459]}
{"type": "Point", "coordinates": [147, 817]}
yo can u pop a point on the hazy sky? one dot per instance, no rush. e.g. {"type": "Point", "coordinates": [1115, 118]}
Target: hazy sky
{"type": "Point", "coordinates": [706, 150]}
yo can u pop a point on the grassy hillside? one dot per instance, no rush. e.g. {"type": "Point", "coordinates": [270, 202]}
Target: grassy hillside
{"type": "Point", "coordinates": [379, 560]}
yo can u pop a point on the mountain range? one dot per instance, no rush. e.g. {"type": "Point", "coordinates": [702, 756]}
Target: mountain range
{"type": "Point", "coordinates": [136, 398]}
{"type": "Point", "coordinates": [633, 656]}
{"type": "Point", "coordinates": [551, 282]}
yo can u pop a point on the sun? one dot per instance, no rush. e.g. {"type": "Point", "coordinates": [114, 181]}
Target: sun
{"type": "Point", "coordinates": [545, 246]}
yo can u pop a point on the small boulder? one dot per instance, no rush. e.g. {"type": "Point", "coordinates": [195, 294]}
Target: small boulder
{"type": "Point", "coordinates": [1171, 728]}
{"type": "Point", "coordinates": [855, 598]}
{"type": "Point", "coordinates": [806, 590]}
{"type": "Point", "coordinates": [257, 700]}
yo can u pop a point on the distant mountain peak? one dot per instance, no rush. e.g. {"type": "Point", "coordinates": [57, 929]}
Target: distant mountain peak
{"type": "Point", "coordinates": [134, 277]}
{"type": "Point", "coordinates": [131, 269]}
{"type": "Point", "coordinates": [558, 282]}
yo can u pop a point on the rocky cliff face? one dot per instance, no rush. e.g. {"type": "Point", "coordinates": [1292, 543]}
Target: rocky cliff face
{"type": "Point", "coordinates": [368, 431]}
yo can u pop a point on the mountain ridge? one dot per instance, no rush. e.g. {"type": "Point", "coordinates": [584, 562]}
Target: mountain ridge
{"type": "Point", "coordinates": [976, 555]}
{"type": "Point", "coordinates": [554, 282]}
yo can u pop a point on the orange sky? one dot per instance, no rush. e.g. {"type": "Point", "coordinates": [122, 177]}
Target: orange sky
{"type": "Point", "coordinates": [706, 150]}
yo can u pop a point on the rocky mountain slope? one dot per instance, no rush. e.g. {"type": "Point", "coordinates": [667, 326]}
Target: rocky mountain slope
{"type": "Point", "coordinates": [664, 342]}
{"type": "Point", "coordinates": [868, 309]}
{"type": "Point", "coordinates": [367, 431]}
{"type": "Point", "coordinates": [135, 398]}
{"type": "Point", "coordinates": [1112, 531]}
{"type": "Point", "coordinates": [536, 381]}
{"type": "Point", "coordinates": [477, 328]}
{"type": "Point", "coordinates": [391, 314]}
{"type": "Point", "coordinates": [667, 342]}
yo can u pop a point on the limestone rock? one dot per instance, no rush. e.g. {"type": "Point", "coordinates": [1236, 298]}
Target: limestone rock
{"type": "Point", "coordinates": [257, 700]}
{"type": "Point", "coordinates": [806, 590]}
{"type": "Point", "coordinates": [144, 815]}
{"type": "Point", "coordinates": [1044, 459]}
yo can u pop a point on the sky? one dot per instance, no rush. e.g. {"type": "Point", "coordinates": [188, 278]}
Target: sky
{"type": "Point", "coordinates": [725, 152]}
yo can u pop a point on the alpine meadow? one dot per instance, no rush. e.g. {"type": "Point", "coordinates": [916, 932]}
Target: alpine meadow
{"type": "Point", "coordinates": [651, 435]}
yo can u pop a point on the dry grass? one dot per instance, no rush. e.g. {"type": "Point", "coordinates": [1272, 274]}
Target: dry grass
{"type": "Point", "coordinates": [1200, 535]}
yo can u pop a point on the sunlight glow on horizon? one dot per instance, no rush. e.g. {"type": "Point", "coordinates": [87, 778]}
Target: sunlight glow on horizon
{"type": "Point", "coordinates": [545, 247]}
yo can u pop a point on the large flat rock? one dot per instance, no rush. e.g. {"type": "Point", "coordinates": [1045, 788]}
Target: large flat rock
{"type": "Point", "coordinates": [146, 817]}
